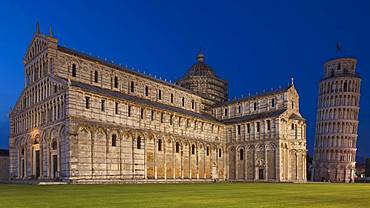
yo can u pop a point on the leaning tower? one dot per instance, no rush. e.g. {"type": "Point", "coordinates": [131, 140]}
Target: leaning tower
{"type": "Point", "coordinates": [337, 122]}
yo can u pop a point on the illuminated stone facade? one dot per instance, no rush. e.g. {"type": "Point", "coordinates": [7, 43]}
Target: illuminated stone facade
{"type": "Point", "coordinates": [337, 122]}
{"type": "Point", "coordinates": [80, 119]}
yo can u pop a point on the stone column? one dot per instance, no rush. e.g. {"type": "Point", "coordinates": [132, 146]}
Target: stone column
{"type": "Point", "coordinates": [120, 154]}
{"type": "Point", "coordinates": [145, 160]}
{"type": "Point", "coordinates": [245, 163]}
{"type": "Point", "coordinates": [288, 164]}
{"type": "Point", "coordinates": [296, 163]}
{"type": "Point", "coordinates": [165, 157]}
{"type": "Point", "coordinates": [236, 164]}
{"type": "Point", "coordinates": [277, 163]}
{"type": "Point", "coordinates": [266, 164]}
{"type": "Point", "coordinates": [42, 159]}
{"type": "Point", "coordinates": [189, 153]}
{"type": "Point", "coordinates": [204, 161]}
{"type": "Point", "coordinates": [133, 156]}
{"type": "Point", "coordinates": [92, 135]}
{"type": "Point", "coordinates": [155, 159]}
{"type": "Point", "coordinates": [224, 161]}
{"type": "Point", "coordinates": [256, 168]}
{"type": "Point", "coordinates": [174, 159]}
{"type": "Point", "coordinates": [227, 158]}
{"type": "Point", "coordinates": [182, 161]}
{"type": "Point", "coordinates": [197, 159]}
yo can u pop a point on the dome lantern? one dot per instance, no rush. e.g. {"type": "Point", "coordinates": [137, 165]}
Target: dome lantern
{"type": "Point", "coordinates": [200, 57]}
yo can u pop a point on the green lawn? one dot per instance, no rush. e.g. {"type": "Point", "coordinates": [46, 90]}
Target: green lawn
{"type": "Point", "coordinates": [187, 195]}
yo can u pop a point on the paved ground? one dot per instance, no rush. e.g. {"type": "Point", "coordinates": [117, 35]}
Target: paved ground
{"type": "Point", "coordinates": [187, 195]}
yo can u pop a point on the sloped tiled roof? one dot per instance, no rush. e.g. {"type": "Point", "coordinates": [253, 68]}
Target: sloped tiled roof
{"type": "Point", "coordinates": [253, 117]}
{"type": "Point", "coordinates": [121, 68]}
{"type": "Point", "coordinates": [201, 69]}
{"type": "Point", "coordinates": [296, 117]}
{"type": "Point", "coordinates": [253, 96]}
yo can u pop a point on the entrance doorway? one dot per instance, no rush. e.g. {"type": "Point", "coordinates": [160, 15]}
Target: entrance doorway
{"type": "Point", "coordinates": [55, 166]}
{"type": "Point", "coordinates": [37, 163]}
{"type": "Point", "coordinates": [261, 174]}
{"type": "Point", "coordinates": [22, 168]}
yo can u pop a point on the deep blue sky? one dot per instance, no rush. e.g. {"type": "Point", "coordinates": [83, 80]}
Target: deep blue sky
{"type": "Point", "coordinates": [255, 45]}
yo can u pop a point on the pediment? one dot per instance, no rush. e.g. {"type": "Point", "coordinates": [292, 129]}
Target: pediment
{"type": "Point", "coordinates": [37, 45]}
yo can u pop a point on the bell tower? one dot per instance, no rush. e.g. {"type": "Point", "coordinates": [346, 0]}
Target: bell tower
{"type": "Point", "coordinates": [337, 122]}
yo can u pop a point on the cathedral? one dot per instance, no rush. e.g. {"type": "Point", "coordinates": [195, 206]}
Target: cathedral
{"type": "Point", "coordinates": [81, 119]}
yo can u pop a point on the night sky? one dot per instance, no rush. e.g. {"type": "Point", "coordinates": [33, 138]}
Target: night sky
{"type": "Point", "coordinates": [256, 45]}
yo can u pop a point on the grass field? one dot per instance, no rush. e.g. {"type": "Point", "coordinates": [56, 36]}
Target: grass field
{"type": "Point", "coordinates": [187, 195]}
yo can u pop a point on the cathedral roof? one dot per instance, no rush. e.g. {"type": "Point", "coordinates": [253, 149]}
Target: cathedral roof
{"type": "Point", "coordinates": [253, 117]}
{"type": "Point", "coordinates": [253, 97]}
{"type": "Point", "coordinates": [142, 101]}
{"type": "Point", "coordinates": [201, 68]}
{"type": "Point", "coordinates": [121, 68]}
{"type": "Point", "coordinates": [296, 117]}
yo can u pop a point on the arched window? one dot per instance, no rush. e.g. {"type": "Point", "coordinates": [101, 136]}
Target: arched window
{"type": "Point", "coordinates": [183, 102]}
{"type": "Point", "coordinates": [138, 143]}
{"type": "Point", "coordinates": [159, 145]}
{"type": "Point", "coordinates": [152, 115]}
{"type": "Point", "coordinates": [177, 147]}
{"type": "Point", "coordinates": [345, 87]}
{"type": "Point", "coordinates": [268, 125]}
{"type": "Point", "coordinates": [142, 113]}
{"type": "Point", "coordinates": [146, 91]}
{"type": "Point", "coordinates": [296, 132]}
{"type": "Point", "coordinates": [115, 82]}
{"type": "Point", "coordinates": [207, 151]}
{"type": "Point", "coordinates": [132, 86]}
{"type": "Point", "coordinates": [254, 106]}
{"type": "Point", "coordinates": [129, 111]}
{"type": "Point", "coordinates": [241, 154]}
{"type": "Point", "coordinates": [159, 94]}
{"type": "Point", "coordinates": [193, 149]}
{"type": "Point", "coordinates": [116, 108]}
{"type": "Point", "coordinates": [219, 152]}
{"type": "Point", "coordinates": [114, 140]}
{"type": "Point", "coordinates": [74, 71]}
{"type": "Point", "coordinates": [54, 145]}
{"type": "Point", "coordinates": [37, 140]}
{"type": "Point", "coordinates": [96, 76]}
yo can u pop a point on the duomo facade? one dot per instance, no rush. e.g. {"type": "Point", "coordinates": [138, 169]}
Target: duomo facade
{"type": "Point", "coordinates": [80, 119]}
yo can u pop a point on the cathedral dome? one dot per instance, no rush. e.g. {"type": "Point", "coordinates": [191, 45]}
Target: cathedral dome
{"type": "Point", "coordinates": [200, 68]}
